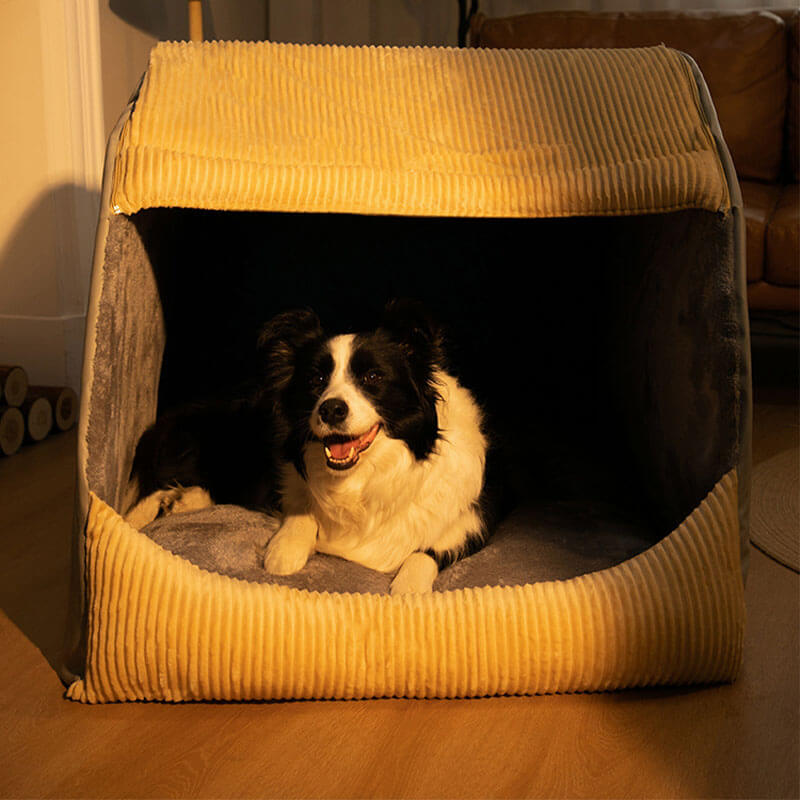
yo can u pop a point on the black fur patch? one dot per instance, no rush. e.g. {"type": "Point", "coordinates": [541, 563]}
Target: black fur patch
{"type": "Point", "coordinates": [230, 448]}
{"type": "Point", "coordinates": [444, 558]}
{"type": "Point", "coordinates": [401, 388]}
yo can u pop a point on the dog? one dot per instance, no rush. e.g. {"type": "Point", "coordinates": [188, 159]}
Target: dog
{"type": "Point", "coordinates": [363, 444]}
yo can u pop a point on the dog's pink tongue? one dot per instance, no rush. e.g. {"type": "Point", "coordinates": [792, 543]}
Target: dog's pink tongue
{"type": "Point", "coordinates": [340, 450]}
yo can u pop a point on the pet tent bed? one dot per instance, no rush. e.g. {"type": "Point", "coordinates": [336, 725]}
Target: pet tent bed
{"type": "Point", "coordinates": [573, 219]}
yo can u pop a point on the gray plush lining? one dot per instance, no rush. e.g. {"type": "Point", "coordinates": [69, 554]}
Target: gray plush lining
{"type": "Point", "coordinates": [127, 363]}
{"type": "Point", "coordinates": [543, 541]}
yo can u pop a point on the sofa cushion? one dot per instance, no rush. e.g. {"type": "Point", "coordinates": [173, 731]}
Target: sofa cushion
{"type": "Point", "coordinates": [760, 200]}
{"type": "Point", "coordinates": [782, 264]}
{"type": "Point", "coordinates": [763, 296]}
{"type": "Point", "coordinates": [742, 56]}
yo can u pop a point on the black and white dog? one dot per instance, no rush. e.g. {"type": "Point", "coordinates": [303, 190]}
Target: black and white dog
{"type": "Point", "coordinates": [363, 445]}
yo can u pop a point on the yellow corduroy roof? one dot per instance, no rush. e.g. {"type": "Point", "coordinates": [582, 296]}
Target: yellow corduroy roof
{"type": "Point", "coordinates": [417, 131]}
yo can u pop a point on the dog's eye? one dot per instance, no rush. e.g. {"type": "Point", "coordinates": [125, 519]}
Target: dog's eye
{"type": "Point", "coordinates": [316, 380]}
{"type": "Point", "coordinates": [372, 377]}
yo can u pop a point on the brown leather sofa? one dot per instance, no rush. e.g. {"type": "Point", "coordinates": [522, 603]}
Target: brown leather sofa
{"type": "Point", "coordinates": [750, 62]}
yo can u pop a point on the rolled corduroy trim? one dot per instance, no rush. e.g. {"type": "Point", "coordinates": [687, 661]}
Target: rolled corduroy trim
{"type": "Point", "coordinates": [160, 628]}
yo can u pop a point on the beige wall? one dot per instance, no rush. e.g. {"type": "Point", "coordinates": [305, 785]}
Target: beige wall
{"type": "Point", "coordinates": [47, 197]}
{"type": "Point", "coordinates": [23, 142]}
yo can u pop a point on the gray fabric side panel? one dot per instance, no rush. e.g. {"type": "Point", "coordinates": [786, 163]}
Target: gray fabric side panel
{"type": "Point", "coordinates": [675, 358]}
{"type": "Point", "coordinates": [127, 362]}
{"type": "Point", "coordinates": [740, 281]}
{"type": "Point", "coordinates": [73, 651]}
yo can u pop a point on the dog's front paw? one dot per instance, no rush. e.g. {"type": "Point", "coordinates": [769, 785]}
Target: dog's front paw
{"type": "Point", "coordinates": [168, 501]}
{"type": "Point", "coordinates": [183, 499]}
{"type": "Point", "coordinates": [416, 576]}
{"type": "Point", "coordinates": [291, 546]}
{"type": "Point", "coordinates": [145, 511]}
{"type": "Point", "coordinates": [286, 554]}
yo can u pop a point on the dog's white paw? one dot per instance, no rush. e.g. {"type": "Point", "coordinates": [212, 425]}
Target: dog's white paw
{"type": "Point", "coordinates": [187, 500]}
{"type": "Point", "coordinates": [290, 548]}
{"type": "Point", "coordinates": [416, 576]}
{"type": "Point", "coordinates": [167, 501]}
{"type": "Point", "coordinates": [145, 511]}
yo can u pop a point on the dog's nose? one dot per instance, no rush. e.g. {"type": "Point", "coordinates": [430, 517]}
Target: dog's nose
{"type": "Point", "coordinates": [333, 411]}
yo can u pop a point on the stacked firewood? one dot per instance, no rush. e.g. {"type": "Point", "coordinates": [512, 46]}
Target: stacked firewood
{"type": "Point", "coordinates": [30, 413]}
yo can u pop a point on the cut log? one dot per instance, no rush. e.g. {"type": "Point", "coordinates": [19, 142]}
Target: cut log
{"type": "Point", "coordinates": [38, 415]}
{"type": "Point", "coordinates": [63, 400]}
{"type": "Point", "coordinates": [13, 385]}
{"type": "Point", "coordinates": [12, 430]}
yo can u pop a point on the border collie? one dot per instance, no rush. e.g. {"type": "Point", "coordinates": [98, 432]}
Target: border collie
{"type": "Point", "coordinates": [362, 444]}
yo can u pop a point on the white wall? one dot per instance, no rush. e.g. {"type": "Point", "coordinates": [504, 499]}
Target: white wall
{"type": "Point", "coordinates": [49, 141]}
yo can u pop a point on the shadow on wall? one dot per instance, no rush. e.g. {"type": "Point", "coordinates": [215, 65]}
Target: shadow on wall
{"type": "Point", "coordinates": [401, 22]}
{"type": "Point", "coordinates": [246, 20]}
{"type": "Point", "coordinates": [45, 268]}
{"type": "Point", "coordinates": [164, 19]}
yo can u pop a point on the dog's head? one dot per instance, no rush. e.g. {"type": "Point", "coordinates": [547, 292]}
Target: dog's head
{"type": "Point", "coordinates": [347, 391]}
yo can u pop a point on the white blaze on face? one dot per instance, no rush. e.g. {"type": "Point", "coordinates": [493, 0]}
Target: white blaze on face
{"type": "Point", "coordinates": [342, 385]}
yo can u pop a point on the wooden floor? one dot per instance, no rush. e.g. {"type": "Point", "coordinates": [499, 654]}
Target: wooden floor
{"type": "Point", "coordinates": [726, 741]}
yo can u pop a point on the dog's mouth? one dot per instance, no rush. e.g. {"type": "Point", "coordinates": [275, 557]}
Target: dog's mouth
{"type": "Point", "coordinates": [343, 452]}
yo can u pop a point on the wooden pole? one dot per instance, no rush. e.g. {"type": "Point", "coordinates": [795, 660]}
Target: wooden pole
{"type": "Point", "coordinates": [195, 21]}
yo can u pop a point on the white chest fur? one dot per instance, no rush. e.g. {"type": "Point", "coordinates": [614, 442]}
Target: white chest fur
{"type": "Point", "coordinates": [392, 505]}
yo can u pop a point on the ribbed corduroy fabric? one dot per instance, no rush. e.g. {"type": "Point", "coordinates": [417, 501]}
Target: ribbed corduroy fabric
{"type": "Point", "coordinates": [417, 131]}
{"type": "Point", "coordinates": [160, 628]}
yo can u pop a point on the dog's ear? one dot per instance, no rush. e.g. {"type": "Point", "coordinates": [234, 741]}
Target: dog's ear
{"type": "Point", "coordinates": [282, 338]}
{"type": "Point", "coordinates": [409, 323]}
